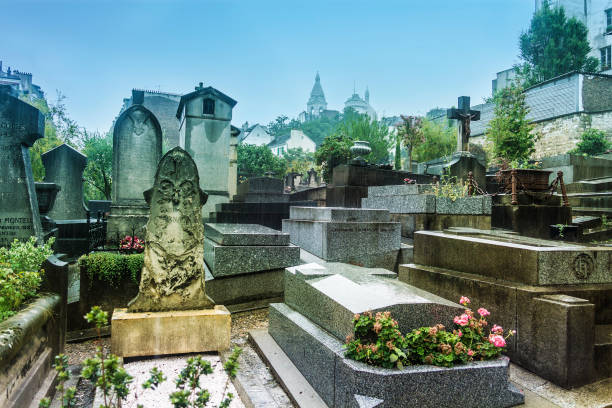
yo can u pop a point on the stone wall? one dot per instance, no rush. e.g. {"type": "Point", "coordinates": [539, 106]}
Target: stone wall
{"type": "Point", "coordinates": [561, 134]}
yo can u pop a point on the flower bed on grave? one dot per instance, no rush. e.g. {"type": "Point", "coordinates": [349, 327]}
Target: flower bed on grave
{"type": "Point", "coordinates": [107, 279]}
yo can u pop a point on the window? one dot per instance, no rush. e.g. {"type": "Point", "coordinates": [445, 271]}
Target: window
{"type": "Point", "coordinates": [605, 57]}
{"type": "Point", "coordinates": [609, 20]}
{"type": "Point", "coordinates": [208, 107]}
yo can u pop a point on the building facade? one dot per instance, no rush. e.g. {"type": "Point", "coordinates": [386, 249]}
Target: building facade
{"type": "Point", "coordinates": [293, 140]}
{"type": "Point", "coordinates": [361, 105]}
{"type": "Point", "coordinates": [21, 82]}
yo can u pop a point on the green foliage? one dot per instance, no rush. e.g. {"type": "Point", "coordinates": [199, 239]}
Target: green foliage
{"type": "Point", "coordinates": [554, 45]}
{"type": "Point", "coordinates": [450, 187]}
{"type": "Point", "coordinates": [440, 140]}
{"type": "Point", "coordinates": [411, 133]}
{"type": "Point", "coordinates": [592, 142]}
{"type": "Point", "coordinates": [108, 376]}
{"type": "Point", "coordinates": [256, 161]}
{"type": "Point", "coordinates": [298, 160]}
{"type": "Point", "coordinates": [20, 273]}
{"type": "Point", "coordinates": [319, 128]}
{"type": "Point", "coordinates": [376, 340]}
{"type": "Point", "coordinates": [334, 151]}
{"type": "Point", "coordinates": [509, 131]}
{"type": "Point", "coordinates": [398, 153]}
{"type": "Point", "coordinates": [112, 268]}
{"type": "Point", "coordinates": [98, 172]}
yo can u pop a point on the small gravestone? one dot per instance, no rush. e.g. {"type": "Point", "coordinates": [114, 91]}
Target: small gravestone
{"type": "Point", "coordinates": [64, 166]}
{"type": "Point", "coordinates": [171, 313]}
{"type": "Point", "coordinates": [137, 148]}
{"type": "Point", "coordinates": [20, 126]}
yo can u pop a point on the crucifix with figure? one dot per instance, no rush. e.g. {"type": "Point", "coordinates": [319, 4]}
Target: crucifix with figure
{"type": "Point", "coordinates": [464, 115]}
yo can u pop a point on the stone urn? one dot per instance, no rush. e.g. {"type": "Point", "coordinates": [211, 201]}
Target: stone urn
{"type": "Point", "coordinates": [359, 149]}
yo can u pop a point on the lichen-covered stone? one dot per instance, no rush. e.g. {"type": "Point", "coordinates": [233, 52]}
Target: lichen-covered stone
{"type": "Point", "coordinates": [173, 272]}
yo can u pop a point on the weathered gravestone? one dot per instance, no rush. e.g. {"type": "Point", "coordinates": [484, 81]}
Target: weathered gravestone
{"type": "Point", "coordinates": [171, 313]}
{"type": "Point", "coordinates": [20, 126]}
{"type": "Point", "coordinates": [64, 166]}
{"type": "Point", "coordinates": [137, 147]}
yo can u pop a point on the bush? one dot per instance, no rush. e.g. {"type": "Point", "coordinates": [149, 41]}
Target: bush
{"type": "Point", "coordinates": [20, 273]}
{"type": "Point", "coordinates": [111, 267]}
{"type": "Point", "coordinates": [377, 341]}
{"type": "Point", "coordinates": [592, 142]}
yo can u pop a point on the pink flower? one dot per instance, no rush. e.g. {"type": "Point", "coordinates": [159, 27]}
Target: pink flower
{"type": "Point", "coordinates": [470, 352]}
{"type": "Point", "coordinates": [459, 333]}
{"type": "Point", "coordinates": [377, 327]}
{"type": "Point", "coordinates": [497, 340]}
{"type": "Point", "coordinates": [461, 320]}
{"type": "Point", "coordinates": [464, 300]}
{"type": "Point", "coordinates": [483, 312]}
{"type": "Point", "coordinates": [497, 329]}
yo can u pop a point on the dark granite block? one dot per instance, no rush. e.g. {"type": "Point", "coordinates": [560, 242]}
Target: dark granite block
{"type": "Point", "coordinates": [244, 234]}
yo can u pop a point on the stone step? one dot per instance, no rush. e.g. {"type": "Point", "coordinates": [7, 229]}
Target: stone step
{"type": "Point", "coordinates": [595, 200]}
{"type": "Point", "coordinates": [592, 185]}
{"type": "Point", "coordinates": [603, 350]}
{"type": "Point", "coordinates": [592, 211]}
{"type": "Point", "coordinates": [586, 221]}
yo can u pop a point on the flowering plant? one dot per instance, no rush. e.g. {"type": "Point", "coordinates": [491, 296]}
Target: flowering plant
{"type": "Point", "coordinates": [409, 181]}
{"type": "Point", "coordinates": [378, 341]}
{"type": "Point", "coordinates": [131, 244]}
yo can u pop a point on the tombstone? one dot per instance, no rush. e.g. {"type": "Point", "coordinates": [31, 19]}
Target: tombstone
{"type": "Point", "coordinates": [520, 281]}
{"type": "Point", "coordinates": [206, 133]}
{"type": "Point", "coordinates": [318, 313]}
{"type": "Point", "coordinates": [171, 297]}
{"type": "Point", "coordinates": [64, 166]}
{"type": "Point", "coordinates": [246, 262]}
{"type": "Point", "coordinates": [20, 126]}
{"type": "Point", "coordinates": [137, 147]}
{"type": "Point", "coordinates": [312, 178]}
{"type": "Point", "coordinates": [465, 116]}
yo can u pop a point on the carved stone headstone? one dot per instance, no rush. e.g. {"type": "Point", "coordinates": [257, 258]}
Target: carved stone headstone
{"type": "Point", "coordinates": [20, 126]}
{"type": "Point", "coordinates": [137, 148]}
{"type": "Point", "coordinates": [173, 272]}
{"type": "Point", "coordinates": [64, 166]}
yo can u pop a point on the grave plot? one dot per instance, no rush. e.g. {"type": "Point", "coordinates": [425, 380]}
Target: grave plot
{"type": "Point", "coordinates": [318, 314]}
{"type": "Point", "coordinates": [555, 294]}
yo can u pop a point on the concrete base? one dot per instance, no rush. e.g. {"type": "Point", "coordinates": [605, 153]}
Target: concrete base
{"type": "Point", "coordinates": [175, 332]}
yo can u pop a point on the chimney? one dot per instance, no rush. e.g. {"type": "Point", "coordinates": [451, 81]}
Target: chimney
{"type": "Point", "coordinates": [137, 97]}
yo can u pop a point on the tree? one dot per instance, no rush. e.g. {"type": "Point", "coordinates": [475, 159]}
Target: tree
{"type": "Point", "coordinates": [298, 160]}
{"type": "Point", "coordinates": [98, 172]}
{"type": "Point", "coordinates": [553, 45]}
{"type": "Point", "coordinates": [258, 160]}
{"type": "Point", "coordinates": [509, 131]}
{"type": "Point", "coordinates": [440, 140]}
{"type": "Point", "coordinates": [592, 142]}
{"type": "Point", "coordinates": [398, 152]}
{"type": "Point", "coordinates": [334, 150]}
{"type": "Point", "coordinates": [411, 132]}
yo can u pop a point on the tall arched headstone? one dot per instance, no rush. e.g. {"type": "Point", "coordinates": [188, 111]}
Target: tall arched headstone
{"type": "Point", "coordinates": [64, 166]}
{"type": "Point", "coordinates": [137, 148]}
{"type": "Point", "coordinates": [20, 126]}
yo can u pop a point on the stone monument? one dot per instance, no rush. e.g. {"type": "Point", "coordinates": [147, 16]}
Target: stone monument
{"type": "Point", "coordinates": [20, 126]}
{"type": "Point", "coordinates": [137, 148]}
{"type": "Point", "coordinates": [171, 313]}
{"type": "Point", "coordinates": [206, 133]}
{"type": "Point", "coordinates": [64, 166]}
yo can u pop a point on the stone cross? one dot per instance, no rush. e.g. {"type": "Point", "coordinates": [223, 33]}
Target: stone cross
{"type": "Point", "coordinates": [464, 115]}
{"type": "Point", "coordinates": [20, 126]}
{"type": "Point", "coordinates": [173, 273]}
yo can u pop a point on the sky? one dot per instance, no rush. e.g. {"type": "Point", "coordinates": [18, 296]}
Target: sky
{"type": "Point", "coordinates": [412, 55]}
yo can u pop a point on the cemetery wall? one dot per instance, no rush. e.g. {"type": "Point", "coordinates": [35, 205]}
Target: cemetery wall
{"type": "Point", "coordinates": [561, 134]}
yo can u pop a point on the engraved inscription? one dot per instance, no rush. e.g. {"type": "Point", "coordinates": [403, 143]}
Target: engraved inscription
{"type": "Point", "coordinates": [583, 266]}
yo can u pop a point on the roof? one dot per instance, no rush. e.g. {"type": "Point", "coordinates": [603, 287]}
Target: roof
{"type": "Point", "coordinates": [317, 95]}
{"type": "Point", "coordinates": [280, 140]}
{"type": "Point", "coordinates": [204, 92]}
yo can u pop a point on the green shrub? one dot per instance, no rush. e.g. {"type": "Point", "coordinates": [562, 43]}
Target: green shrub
{"type": "Point", "coordinates": [112, 268]}
{"type": "Point", "coordinates": [20, 273]}
{"type": "Point", "coordinates": [592, 142]}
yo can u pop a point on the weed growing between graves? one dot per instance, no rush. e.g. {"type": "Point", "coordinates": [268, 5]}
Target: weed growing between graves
{"type": "Point", "coordinates": [377, 341]}
{"type": "Point", "coordinates": [111, 267]}
{"type": "Point", "coordinates": [450, 187]}
{"type": "Point", "coordinates": [20, 273]}
{"type": "Point", "coordinates": [111, 379]}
